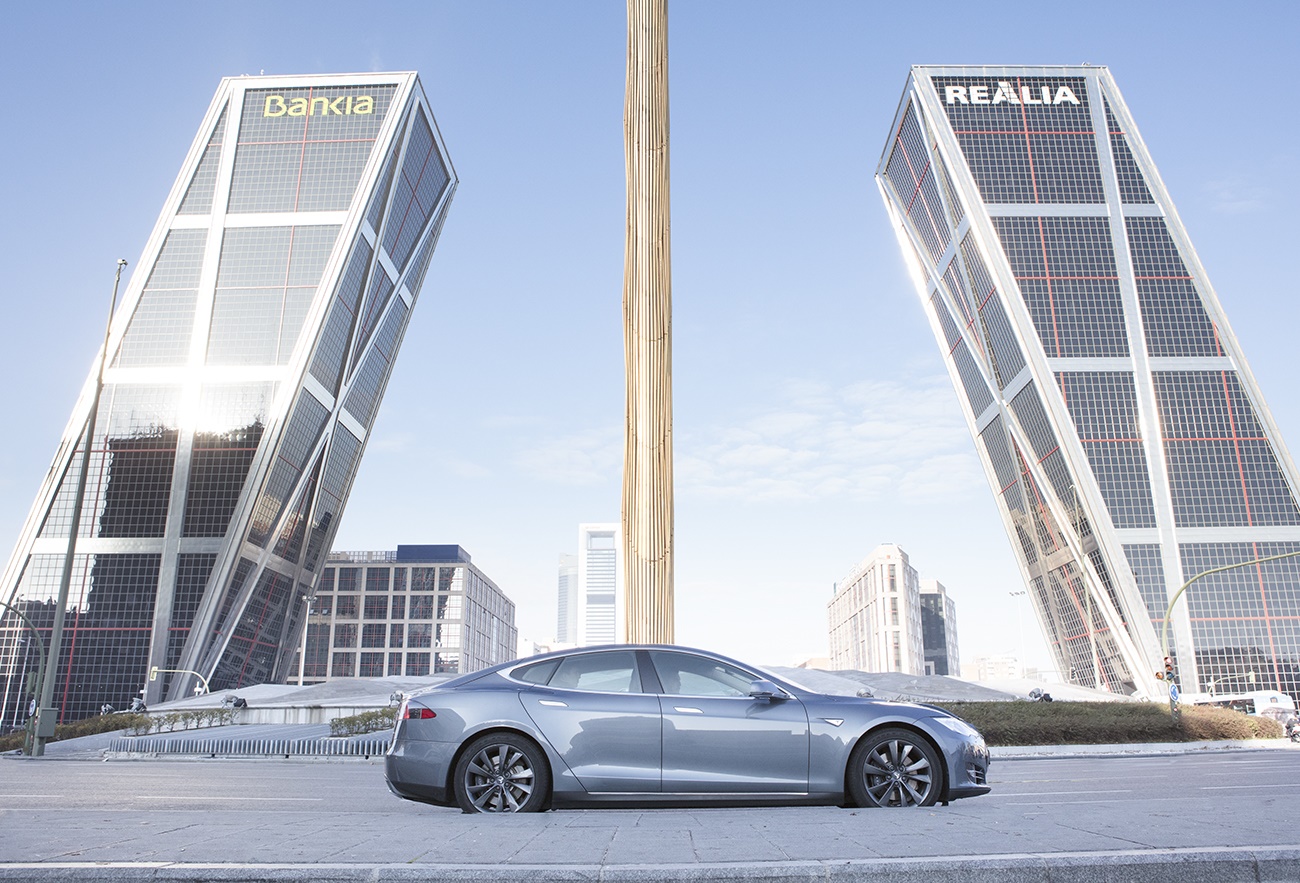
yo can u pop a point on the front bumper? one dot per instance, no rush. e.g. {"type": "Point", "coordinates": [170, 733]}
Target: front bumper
{"type": "Point", "coordinates": [970, 771]}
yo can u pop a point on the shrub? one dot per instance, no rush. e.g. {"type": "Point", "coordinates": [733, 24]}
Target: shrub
{"type": "Point", "coordinates": [104, 723]}
{"type": "Point", "coordinates": [135, 724]}
{"type": "Point", "coordinates": [1103, 723]}
{"type": "Point", "coordinates": [365, 722]}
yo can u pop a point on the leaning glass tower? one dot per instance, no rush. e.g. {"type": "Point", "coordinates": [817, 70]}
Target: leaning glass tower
{"type": "Point", "coordinates": [1127, 444]}
{"type": "Point", "coordinates": [244, 370]}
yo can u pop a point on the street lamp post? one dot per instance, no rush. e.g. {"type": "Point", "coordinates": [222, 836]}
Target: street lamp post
{"type": "Point", "coordinates": [1020, 626]}
{"type": "Point", "coordinates": [1215, 684]}
{"type": "Point", "coordinates": [1087, 590]}
{"type": "Point", "coordinates": [46, 715]}
{"type": "Point", "coordinates": [155, 671]}
{"type": "Point", "coordinates": [28, 739]}
{"type": "Point", "coordinates": [1169, 612]}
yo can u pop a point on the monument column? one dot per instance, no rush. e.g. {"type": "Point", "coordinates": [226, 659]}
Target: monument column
{"type": "Point", "coordinates": [647, 332]}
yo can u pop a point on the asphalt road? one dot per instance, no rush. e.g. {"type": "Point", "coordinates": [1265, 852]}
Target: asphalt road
{"type": "Point", "coordinates": [1221, 816]}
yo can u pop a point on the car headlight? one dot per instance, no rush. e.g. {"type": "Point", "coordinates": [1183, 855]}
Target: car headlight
{"type": "Point", "coordinates": [958, 726]}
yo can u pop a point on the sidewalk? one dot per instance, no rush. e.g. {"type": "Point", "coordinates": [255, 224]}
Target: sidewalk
{"type": "Point", "coordinates": [1205, 812]}
{"type": "Point", "coordinates": [1182, 865]}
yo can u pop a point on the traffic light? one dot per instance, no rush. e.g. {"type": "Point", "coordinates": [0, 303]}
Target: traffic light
{"type": "Point", "coordinates": [1169, 668]}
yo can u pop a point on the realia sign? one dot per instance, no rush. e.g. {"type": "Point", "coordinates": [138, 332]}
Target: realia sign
{"type": "Point", "coordinates": [1005, 93]}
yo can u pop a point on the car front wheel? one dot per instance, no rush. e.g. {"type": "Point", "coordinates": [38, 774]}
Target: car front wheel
{"type": "Point", "coordinates": [894, 768]}
{"type": "Point", "coordinates": [501, 772]}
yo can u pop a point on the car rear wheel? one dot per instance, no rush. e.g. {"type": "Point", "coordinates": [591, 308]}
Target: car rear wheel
{"type": "Point", "coordinates": [502, 772]}
{"type": "Point", "coordinates": [894, 768]}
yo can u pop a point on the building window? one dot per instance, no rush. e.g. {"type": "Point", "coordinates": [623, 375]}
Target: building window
{"type": "Point", "coordinates": [421, 607]}
{"type": "Point", "coordinates": [394, 664]}
{"type": "Point", "coordinates": [345, 607]}
{"type": "Point", "coordinates": [376, 607]}
{"type": "Point", "coordinates": [348, 579]}
{"type": "Point", "coordinates": [419, 634]}
{"type": "Point", "coordinates": [447, 635]}
{"type": "Point", "coordinates": [345, 635]}
{"type": "Point", "coordinates": [344, 665]}
{"type": "Point", "coordinates": [376, 579]}
{"type": "Point", "coordinates": [449, 606]}
{"type": "Point", "coordinates": [399, 607]}
{"type": "Point", "coordinates": [372, 665]}
{"type": "Point", "coordinates": [396, 635]}
{"type": "Point", "coordinates": [372, 634]}
{"type": "Point", "coordinates": [417, 664]}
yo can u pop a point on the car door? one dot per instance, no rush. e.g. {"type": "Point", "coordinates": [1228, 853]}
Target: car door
{"type": "Point", "coordinates": [595, 714]}
{"type": "Point", "coordinates": [717, 739]}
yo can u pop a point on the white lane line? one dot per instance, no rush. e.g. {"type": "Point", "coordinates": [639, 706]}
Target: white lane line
{"type": "Point", "coordinates": [1245, 787]}
{"type": "Point", "coordinates": [200, 798]}
{"type": "Point", "coordinates": [1061, 793]}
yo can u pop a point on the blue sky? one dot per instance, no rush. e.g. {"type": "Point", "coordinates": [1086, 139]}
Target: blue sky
{"type": "Point", "coordinates": [813, 416]}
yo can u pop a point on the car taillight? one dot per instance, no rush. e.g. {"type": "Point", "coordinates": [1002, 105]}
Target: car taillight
{"type": "Point", "coordinates": [418, 713]}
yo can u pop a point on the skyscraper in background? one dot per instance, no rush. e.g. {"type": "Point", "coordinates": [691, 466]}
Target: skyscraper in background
{"type": "Point", "coordinates": [245, 367]}
{"type": "Point", "coordinates": [1126, 442]}
{"type": "Point", "coordinates": [875, 615]}
{"type": "Point", "coordinates": [600, 596]}
{"type": "Point", "coordinates": [566, 614]}
{"type": "Point", "coordinates": [939, 630]}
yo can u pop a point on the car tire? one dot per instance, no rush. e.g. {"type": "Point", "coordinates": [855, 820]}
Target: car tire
{"type": "Point", "coordinates": [894, 767]}
{"type": "Point", "coordinates": [501, 772]}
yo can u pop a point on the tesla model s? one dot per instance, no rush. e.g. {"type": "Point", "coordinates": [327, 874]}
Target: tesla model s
{"type": "Point", "coordinates": [640, 725]}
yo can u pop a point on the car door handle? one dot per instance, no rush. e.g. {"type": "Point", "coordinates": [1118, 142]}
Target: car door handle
{"type": "Point", "coordinates": [554, 703]}
{"type": "Point", "coordinates": [686, 709]}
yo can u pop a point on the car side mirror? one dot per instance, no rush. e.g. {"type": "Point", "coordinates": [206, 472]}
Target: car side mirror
{"type": "Point", "coordinates": [762, 689]}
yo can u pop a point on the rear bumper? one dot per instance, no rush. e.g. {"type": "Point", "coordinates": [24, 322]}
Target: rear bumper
{"type": "Point", "coordinates": [419, 771]}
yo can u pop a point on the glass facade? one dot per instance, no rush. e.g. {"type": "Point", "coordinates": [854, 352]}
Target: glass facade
{"type": "Point", "coordinates": [418, 611]}
{"type": "Point", "coordinates": [244, 368]}
{"type": "Point", "coordinates": [1128, 445]}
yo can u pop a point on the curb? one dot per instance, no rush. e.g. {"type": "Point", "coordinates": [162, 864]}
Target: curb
{"type": "Point", "coordinates": [1139, 749]}
{"type": "Point", "coordinates": [1222, 865]}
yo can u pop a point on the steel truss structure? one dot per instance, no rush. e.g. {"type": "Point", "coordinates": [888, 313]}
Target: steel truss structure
{"type": "Point", "coordinates": [245, 367]}
{"type": "Point", "coordinates": [1127, 444]}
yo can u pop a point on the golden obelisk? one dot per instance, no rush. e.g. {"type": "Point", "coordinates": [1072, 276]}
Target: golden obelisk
{"type": "Point", "coordinates": [647, 332]}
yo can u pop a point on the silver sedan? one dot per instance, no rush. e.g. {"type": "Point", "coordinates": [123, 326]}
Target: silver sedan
{"type": "Point", "coordinates": [644, 725]}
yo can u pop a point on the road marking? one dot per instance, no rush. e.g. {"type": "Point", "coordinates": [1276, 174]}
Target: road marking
{"type": "Point", "coordinates": [1063, 793]}
{"type": "Point", "coordinates": [1233, 787]}
{"type": "Point", "coordinates": [191, 797]}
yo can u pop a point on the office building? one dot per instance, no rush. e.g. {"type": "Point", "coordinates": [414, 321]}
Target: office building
{"type": "Point", "coordinates": [997, 668]}
{"type": "Point", "coordinates": [875, 615]}
{"type": "Point", "coordinates": [244, 369]}
{"type": "Point", "coordinates": [1126, 443]}
{"type": "Point", "coordinates": [420, 610]}
{"type": "Point", "coordinates": [600, 596]}
{"type": "Point", "coordinates": [939, 630]}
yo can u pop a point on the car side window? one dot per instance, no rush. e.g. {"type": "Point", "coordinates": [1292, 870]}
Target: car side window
{"type": "Point", "coordinates": [611, 672]}
{"type": "Point", "coordinates": [537, 673]}
{"type": "Point", "coordinates": [682, 674]}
